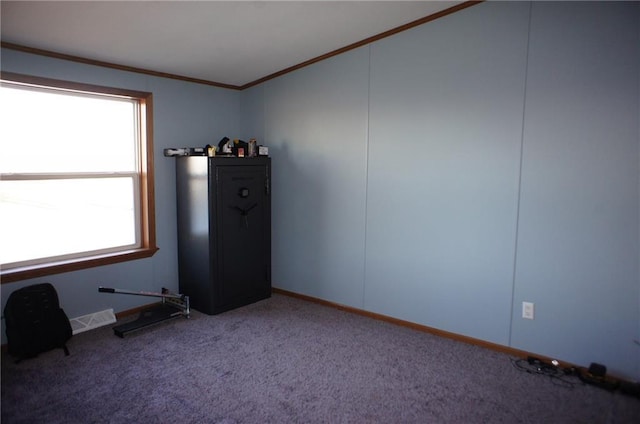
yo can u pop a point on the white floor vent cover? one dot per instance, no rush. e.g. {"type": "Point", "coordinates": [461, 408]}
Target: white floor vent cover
{"type": "Point", "coordinates": [91, 321]}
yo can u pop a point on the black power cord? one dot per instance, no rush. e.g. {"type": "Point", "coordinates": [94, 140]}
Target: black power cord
{"type": "Point", "coordinates": [595, 375]}
{"type": "Point", "coordinates": [557, 375]}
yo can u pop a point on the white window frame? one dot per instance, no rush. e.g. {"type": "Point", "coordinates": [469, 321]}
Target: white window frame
{"type": "Point", "coordinates": [143, 182]}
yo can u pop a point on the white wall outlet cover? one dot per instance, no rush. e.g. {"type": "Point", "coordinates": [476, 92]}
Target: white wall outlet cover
{"type": "Point", "coordinates": [527, 310]}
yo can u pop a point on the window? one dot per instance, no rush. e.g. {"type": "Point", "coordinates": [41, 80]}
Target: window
{"type": "Point", "coordinates": [76, 176]}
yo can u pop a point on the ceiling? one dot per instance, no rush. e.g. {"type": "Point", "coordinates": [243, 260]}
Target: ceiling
{"type": "Point", "coordinates": [225, 42]}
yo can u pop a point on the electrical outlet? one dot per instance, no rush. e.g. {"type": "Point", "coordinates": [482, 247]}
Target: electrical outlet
{"type": "Point", "coordinates": [527, 310]}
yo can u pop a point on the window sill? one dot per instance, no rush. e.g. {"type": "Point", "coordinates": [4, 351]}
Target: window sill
{"type": "Point", "coordinates": [25, 273]}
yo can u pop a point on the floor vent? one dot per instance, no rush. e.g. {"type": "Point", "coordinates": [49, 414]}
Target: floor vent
{"type": "Point", "coordinates": [91, 321]}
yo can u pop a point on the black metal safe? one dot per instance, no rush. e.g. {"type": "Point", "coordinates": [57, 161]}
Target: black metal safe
{"type": "Point", "coordinates": [224, 231]}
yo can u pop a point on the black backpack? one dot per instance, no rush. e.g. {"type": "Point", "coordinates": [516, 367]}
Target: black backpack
{"type": "Point", "coordinates": [35, 322]}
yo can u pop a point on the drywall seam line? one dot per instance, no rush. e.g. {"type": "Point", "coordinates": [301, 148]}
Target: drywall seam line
{"type": "Point", "coordinates": [366, 178]}
{"type": "Point", "coordinates": [637, 340]}
{"type": "Point", "coordinates": [519, 196]}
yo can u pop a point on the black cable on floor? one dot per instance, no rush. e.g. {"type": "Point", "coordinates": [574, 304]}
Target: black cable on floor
{"type": "Point", "coordinates": [557, 375]}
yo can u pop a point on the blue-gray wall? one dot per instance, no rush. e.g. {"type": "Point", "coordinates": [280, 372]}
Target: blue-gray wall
{"type": "Point", "coordinates": [448, 173]}
{"type": "Point", "coordinates": [441, 176]}
{"type": "Point", "coordinates": [577, 251]}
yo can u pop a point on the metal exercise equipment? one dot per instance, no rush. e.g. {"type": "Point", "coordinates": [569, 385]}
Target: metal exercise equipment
{"type": "Point", "coordinates": [172, 306]}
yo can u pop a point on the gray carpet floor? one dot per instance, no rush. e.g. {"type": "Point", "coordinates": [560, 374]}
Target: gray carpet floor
{"type": "Point", "coordinates": [285, 360]}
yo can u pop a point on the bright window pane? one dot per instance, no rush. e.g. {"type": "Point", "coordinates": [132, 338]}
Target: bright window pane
{"type": "Point", "coordinates": [76, 176]}
{"type": "Point", "coordinates": [47, 132]}
{"type": "Point", "coordinates": [47, 218]}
